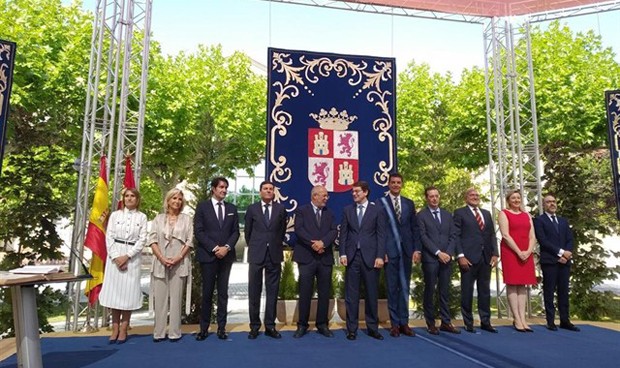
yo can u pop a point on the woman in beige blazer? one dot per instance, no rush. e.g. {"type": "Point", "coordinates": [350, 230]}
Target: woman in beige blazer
{"type": "Point", "coordinates": [170, 238]}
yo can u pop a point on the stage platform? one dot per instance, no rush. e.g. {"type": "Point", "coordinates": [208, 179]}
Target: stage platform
{"type": "Point", "coordinates": [596, 346]}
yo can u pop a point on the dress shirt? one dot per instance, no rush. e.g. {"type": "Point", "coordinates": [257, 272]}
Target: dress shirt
{"type": "Point", "coordinates": [438, 217]}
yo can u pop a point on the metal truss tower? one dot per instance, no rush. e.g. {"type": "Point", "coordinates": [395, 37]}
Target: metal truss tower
{"type": "Point", "coordinates": [512, 129]}
{"type": "Point", "coordinates": [115, 102]}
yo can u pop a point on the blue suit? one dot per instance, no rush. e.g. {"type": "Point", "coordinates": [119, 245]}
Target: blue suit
{"type": "Point", "coordinates": [362, 244]}
{"type": "Point", "coordinates": [313, 265]}
{"type": "Point", "coordinates": [436, 236]}
{"type": "Point", "coordinates": [555, 274]}
{"type": "Point", "coordinates": [400, 256]}
{"type": "Point", "coordinates": [208, 234]}
{"type": "Point", "coordinates": [478, 246]}
{"type": "Point", "coordinates": [264, 241]}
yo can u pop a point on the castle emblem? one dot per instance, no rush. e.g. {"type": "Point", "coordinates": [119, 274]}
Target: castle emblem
{"type": "Point", "coordinates": [333, 152]}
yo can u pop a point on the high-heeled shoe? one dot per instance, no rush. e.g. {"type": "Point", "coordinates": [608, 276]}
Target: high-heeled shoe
{"type": "Point", "coordinates": [518, 329]}
{"type": "Point", "coordinates": [527, 329]}
{"type": "Point", "coordinates": [113, 339]}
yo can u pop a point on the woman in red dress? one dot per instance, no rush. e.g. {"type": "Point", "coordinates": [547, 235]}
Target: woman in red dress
{"type": "Point", "coordinates": [518, 241]}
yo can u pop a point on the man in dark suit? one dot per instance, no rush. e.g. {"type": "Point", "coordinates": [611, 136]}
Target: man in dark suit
{"type": "Point", "coordinates": [216, 228]}
{"type": "Point", "coordinates": [316, 231]}
{"type": "Point", "coordinates": [265, 227]}
{"type": "Point", "coordinates": [477, 254]}
{"type": "Point", "coordinates": [556, 251]}
{"type": "Point", "coordinates": [437, 232]}
{"type": "Point", "coordinates": [402, 248]}
{"type": "Point", "coordinates": [362, 249]}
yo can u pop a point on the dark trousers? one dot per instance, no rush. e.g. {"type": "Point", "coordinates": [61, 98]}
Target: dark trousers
{"type": "Point", "coordinates": [556, 276]}
{"type": "Point", "coordinates": [434, 272]}
{"type": "Point", "coordinates": [355, 273]}
{"type": "Point", "coordinates": [307, 274]}
{"type": "Point", "coordinates": [215, 273]}
{"type": "Point", "coordinates": [479, 274]}
{"type": "Point", "coordinates": [272, 271]}
{"type": "Point", "coordinates": [398, 304]}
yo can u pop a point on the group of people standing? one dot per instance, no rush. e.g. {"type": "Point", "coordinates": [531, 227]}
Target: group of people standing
{"type": "Point", "coordinates": [387, 233]}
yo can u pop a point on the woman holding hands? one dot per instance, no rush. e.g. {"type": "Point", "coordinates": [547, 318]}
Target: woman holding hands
{"type": "Point", "coordinates": [125, 237]}
{"type": "Point", "coordinates": [517, 246]}
{"type": "Point", "coordinates": [170, 238]}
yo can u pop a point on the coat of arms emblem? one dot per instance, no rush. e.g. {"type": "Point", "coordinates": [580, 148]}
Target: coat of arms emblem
{"type": "Point", "coordinates": [333, 153]}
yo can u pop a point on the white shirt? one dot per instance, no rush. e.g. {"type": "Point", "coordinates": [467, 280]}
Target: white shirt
{"type": "Point", "coordinates": [561, 252]}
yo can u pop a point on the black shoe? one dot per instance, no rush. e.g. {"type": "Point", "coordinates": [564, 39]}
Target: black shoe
{"type": "Point", "coordinates": [470, 328]}
{"type": "Point", "coordinates": [325, 331]}
{"type": "Point", "coordinates": [351, 335]}
{"type": "Point", "coordinates": [552, 327]}
{"type": "Point", "coordinates": [271, 332]}
{"type": "Point", "coordinates": [487, 327]}
{"type": "Point", "coordinates": [375, 334]}
{"type": "Point", "coordinates": [518, 329]}
{"type": "Point", "coordinates": [155, 339]}
{"type": "Point", "coordinates": [202, 335]}
{"type": "Point", "coordinates": [569, 326]}
{"type": "Point", "coordinates": [301, 330]}
{"type": "Point", "coordinates": [175, 340]}
{"type": "Point", "coordinates": [221, 334]}
{"type": "Point", "coordinates": [253, 334]}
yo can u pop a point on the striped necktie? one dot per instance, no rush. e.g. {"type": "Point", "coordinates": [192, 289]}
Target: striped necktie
{"type": "Point", "coordinates": [479, 219]}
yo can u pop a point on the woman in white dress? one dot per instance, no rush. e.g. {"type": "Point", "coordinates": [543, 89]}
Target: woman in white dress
{"type": "Point", "coordinates": [125, 238]}
{"type": "Point", "coordinates": [170, 238]}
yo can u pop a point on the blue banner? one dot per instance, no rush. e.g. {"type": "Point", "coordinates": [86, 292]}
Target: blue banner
{"type": "Point", "coordinates": [330, 121]}
{"type": "Point", "coordinates": [7, 59]}
{"type": "Point", "coordinates": [612, 102]}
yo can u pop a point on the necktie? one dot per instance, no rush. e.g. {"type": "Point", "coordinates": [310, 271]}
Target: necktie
{"type": "Point", "coordinates": [555, 223]}
{"type": "Point", "coordinates": [479, 219]}
{"type": "Point", "coordinates": [436, 214]}
{"type": "Point", "coordinates": [360, 214]}
{"type": "Point", "coordinates": [220, 213]}
{"type": "Point", "coordinates": [318, 216]}
{"type": "Point", "coordinates": [397, 208]}
{"type": "Point", "coordinates": [267, 213]}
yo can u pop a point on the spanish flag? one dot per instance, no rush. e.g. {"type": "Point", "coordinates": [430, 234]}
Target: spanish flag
{"type": "Point", "coordinates": [95, 235]}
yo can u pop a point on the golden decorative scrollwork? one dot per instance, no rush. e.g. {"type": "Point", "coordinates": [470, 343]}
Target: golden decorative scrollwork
{"type": "Point", "coordinates": [5, 56]}
{"type": "Point", "coordinates": [310, 72]}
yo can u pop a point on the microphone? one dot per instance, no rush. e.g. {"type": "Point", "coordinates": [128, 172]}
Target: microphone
{"type": "Point", "coordinates": [77, 256]}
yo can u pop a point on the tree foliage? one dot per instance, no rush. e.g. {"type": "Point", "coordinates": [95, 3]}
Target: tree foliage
{"type": "Point", "coordinates": [205, 116]}
{"type": "Point", "coordinates": [43, 135]}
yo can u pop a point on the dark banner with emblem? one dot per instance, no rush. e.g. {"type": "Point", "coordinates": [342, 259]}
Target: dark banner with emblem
{"type": "Point", "coordinates": [612, 101]}
{"type": "Point", "coordinates": [330, 122]}
{"type": "Point", "coordinates": [7, 58]}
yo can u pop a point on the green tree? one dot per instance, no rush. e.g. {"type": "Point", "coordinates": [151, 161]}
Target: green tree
{"type": "Point", "coordinates": [44, 133]}
{"type": "Point", "coordinates": [205, 116]}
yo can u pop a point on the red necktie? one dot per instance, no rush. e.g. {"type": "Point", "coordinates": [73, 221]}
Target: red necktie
{"type": "Point", "coordinates": [479, 219]}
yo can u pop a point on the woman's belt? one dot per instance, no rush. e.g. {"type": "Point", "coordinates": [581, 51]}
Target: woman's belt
{"type": "Point", "coordinates": [124, 242]}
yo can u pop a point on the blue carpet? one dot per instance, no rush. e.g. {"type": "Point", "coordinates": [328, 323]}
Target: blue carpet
{"type": "Point", "coordinates": [593, 346]}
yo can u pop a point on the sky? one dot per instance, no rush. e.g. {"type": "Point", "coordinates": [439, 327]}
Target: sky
{"type": "Point", "coordinates": [252, 26]}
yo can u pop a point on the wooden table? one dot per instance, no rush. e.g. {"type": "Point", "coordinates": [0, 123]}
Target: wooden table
{"type": "Point", "coordinates": [25, 317]}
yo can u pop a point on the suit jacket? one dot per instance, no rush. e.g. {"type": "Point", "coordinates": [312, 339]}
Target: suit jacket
{"type": "Point", "coordinates": [258, 233]}
{"type": "Point", "coordinates": [407, 228]}
{"type": "Point", "coordinates": [170, 245]}
{"type": "Point", "coordinates": [370, 235]}
{"type": "Point", "coordinates": [307, 229]}
{"type": "Point", "coordinates": [208, 233]}
{"type": "Point", "coordinates": [435, 236]}
{"type": "Point", "coordinates": [552, 240]}
{"type": "Point", "coordinates": [474, 243]}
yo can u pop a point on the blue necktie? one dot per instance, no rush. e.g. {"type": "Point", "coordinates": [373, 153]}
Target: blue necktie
{"type": "Point", "coordinates": [436, 214]}
{"type": "Point", "coordinates": [360, 214]}
{"type": "Point", "coordinates": [555, 223]}
{"type": "Point", "coordinates": [220, 213]}
{"type": "Point", "coordinates": [267, 213]}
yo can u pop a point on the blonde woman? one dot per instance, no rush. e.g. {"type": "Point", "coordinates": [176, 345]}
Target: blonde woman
{"type": "Point", "coordinates": [170, 238]}
{"type": "Point", "coordinates": [518, 241]}
{"type": "Point", "coordinates": [125, 238]}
